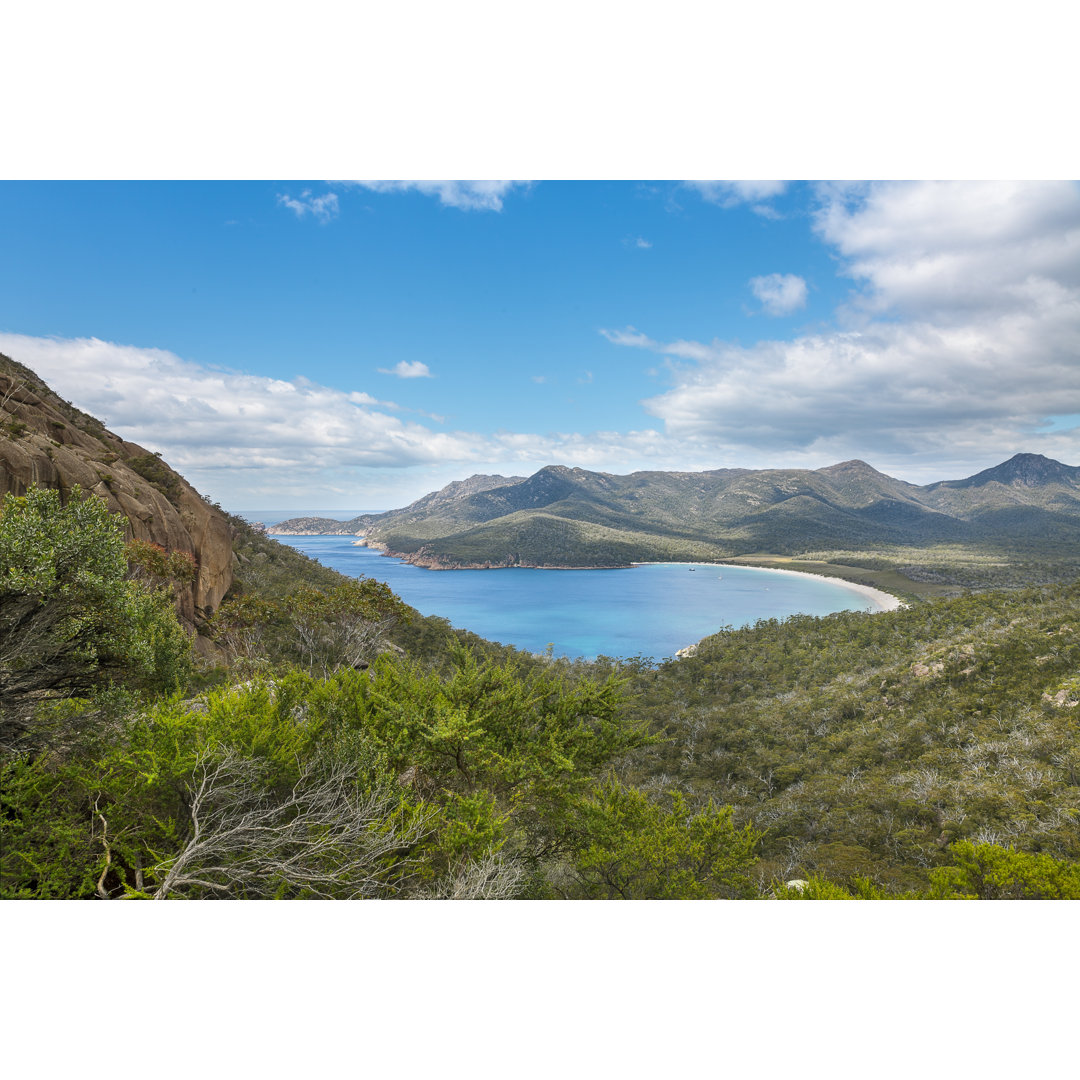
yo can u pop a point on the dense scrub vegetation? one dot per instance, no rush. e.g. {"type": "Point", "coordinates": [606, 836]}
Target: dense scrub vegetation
{"type": "Point", "coordinates": [332, 743]}
{"type": "Point", "coordinates": [868, 745]}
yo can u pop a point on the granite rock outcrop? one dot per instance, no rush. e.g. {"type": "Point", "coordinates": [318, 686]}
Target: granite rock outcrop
{"type": "Point", "coordinates": [46, 441]}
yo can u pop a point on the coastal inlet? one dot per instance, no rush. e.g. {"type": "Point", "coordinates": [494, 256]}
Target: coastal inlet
{"type": "Point", "coordinates": [650, 610]}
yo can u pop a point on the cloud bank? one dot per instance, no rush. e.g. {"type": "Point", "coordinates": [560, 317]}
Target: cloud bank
{"type": "Point", "coordinates": [961, 339]}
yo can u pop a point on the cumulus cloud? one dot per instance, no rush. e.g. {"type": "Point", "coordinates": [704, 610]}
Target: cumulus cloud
{"type": "Point", "coordinates": [949, 251]}
{"type": "Point", "coordinates": [960, 342]}
{"type": "Point", "coordinates": [462, 194]}
{"type": "Point", "coordinates": [207, 418]}
{"type": "Point", "coordinates": [408, 369]}
{"type": "Point", "coordinates": [780, 294]}
{"type": "Point", "coordinates": [320, 207]}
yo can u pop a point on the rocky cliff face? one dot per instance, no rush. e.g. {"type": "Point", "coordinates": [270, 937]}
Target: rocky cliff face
{"type": "Point", "coordinates": [46, 441]}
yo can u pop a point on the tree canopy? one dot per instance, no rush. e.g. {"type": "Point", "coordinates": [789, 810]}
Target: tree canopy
{"type": "Point", "coordinates": [71, 620]}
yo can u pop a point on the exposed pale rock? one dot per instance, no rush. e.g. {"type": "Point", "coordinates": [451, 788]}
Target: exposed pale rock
{"type": "Point", "coordinates": [47, 442]}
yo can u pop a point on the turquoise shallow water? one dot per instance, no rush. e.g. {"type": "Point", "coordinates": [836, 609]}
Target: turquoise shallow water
{"type": "Point", "coordinates": [650, 610]}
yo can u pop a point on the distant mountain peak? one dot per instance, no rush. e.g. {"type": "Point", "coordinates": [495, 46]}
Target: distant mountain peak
{"type": "Point", "coordinates": [854, 465]}
{"type": "Point", "coordinates": [1024, 470]}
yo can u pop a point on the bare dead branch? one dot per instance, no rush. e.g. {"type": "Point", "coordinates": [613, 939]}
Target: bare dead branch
{"type": "Point", "coordinates": [492, 877]}
{"type": "Point", "coordinates": [322, 839]}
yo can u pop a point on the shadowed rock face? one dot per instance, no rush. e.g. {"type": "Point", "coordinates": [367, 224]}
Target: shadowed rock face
{"type": "Point", "coordinates": [48, 442]}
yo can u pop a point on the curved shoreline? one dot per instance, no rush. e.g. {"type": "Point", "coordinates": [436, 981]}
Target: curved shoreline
{"type": "Point", "coordinates": [886, 601]}
{"type": "Point", "coordinates": [879, 599]}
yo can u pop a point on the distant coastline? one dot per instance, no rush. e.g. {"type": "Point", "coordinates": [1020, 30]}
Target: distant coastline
{"type": "Point", "coordinates": [887, 601]}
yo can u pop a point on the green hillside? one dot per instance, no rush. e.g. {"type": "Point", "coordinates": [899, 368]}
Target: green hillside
{"type": "Point", "coordinates": [866, 745]}
{"type": "Point", "coordinates": [1020, 514]}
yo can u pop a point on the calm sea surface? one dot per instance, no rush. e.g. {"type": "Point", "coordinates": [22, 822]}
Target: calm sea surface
{"type": "Point", "coordinates": [649, 610]}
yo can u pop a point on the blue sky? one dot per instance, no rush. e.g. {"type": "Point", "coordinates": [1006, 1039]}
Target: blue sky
{"type": "Point", "coordinates": [295, 345]}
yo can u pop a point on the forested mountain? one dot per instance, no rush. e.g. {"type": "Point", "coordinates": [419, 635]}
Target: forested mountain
{"type": "Point", "coordinates": [572, 517]}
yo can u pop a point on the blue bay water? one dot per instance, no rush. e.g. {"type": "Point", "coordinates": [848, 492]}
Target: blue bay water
{"type": "Point", "coordinates": [648, 610]}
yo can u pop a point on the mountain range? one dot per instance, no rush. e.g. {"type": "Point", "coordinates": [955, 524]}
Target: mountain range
{"type": "Point", "coordinates": [559, 516]}
{"type": "Point", "coordinates": [564, 516]}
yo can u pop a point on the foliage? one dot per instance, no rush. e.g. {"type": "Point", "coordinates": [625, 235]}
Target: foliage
{"type": "Point", "coordinates": [323, 629]}
{"type": "Point", "coordinates": [151, 467]}
{"type": "Point", "coordinates": [818, 888]}
{"type": "Point", "coordinates": [991, 872]}
{"type": "Point", "coordinates": [504, 748]}
{"type": "Point", "coordinates": [866, 744]}
{"type": "Point", "coordinates": [154, 562]}
{"type": "Point", "coordinates": [978, 872]}
{"type": "Point", "coordinates": [393, 783]}
{"type": "Point", "coordinates": [635, 849]}
{"type": "Point", "coordinates": [70, 620]}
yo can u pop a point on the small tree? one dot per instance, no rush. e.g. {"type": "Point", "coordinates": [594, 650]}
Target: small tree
{"type": "Point", "coordinates": [991, 872]}
{"type": "Point", "coordinates": [70, 620]}
{"type": "Point", "coordinates": [636, 849]}
{"type": "Point", "coordinates": [342, 627]}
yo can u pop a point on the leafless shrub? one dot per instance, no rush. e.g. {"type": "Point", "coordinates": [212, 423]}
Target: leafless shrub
{"type": "Point", "coordinates": [322, 839]}
{"type": "Point", "coordinates": [492, 877]}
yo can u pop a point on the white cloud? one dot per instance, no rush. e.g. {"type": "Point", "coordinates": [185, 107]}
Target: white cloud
{"type": "Point", "coordinates": [539, 378]}
{"type": "Point", "coordinates": [950, 250]}
{"type": "Point", "coordinates": [462, 194]}
{"type": "Point", "coordinates": [780, 294]}
{"type": "Point", "coordinates": [209, 419]}
{"type": "Point", "coordinates": [766, 211]}
{"type": "Point", "coordinates": [729, 193]}
{"type": "Point", "coordinates": [408, 369]}
{"type": "Point", "coordinates": [629, 336]}
{"type": "Point", "coordinates": [960, 342]}
{"type": "Point", "coordinates": [320, 207]}
{"type": "Point", "coordinates": [685, 350]}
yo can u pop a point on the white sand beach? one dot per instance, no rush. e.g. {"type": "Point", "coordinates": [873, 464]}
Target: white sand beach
{"type": "Point", "coordinates": [885, 601]}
